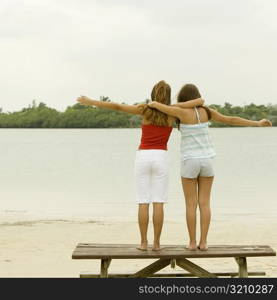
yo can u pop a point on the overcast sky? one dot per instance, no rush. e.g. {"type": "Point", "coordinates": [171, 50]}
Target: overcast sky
{"type": "Point", "coordinates": [56, 50]}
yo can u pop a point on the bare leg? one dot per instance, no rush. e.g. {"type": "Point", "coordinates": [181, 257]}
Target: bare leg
{"type": "Point", "coordinates": [143, 220]}
{"type": "Point", "coordinates": [158, 219]}
{"type": "Point", "coordinates": [190, 192]}
{"type": "Point", "coordinates": [204, 193]}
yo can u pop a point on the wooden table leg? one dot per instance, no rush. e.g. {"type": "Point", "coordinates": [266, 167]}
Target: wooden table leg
{"type": "Point", "coordinates": [153, 268]}
{"type": "Point", "coordinates": [105, 263]}
{"type": "Point", "coordinates": [242, 263]}
{"type": "Point", "coordinates": [194, 269]}
{"type": "Point", "coordinates": [173, 263]}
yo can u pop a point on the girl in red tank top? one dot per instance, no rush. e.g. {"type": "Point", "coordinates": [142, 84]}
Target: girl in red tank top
{"type": "Point", "coordinates": [154, 137]}
{"type": "Point", "coordinates": [151, 163]}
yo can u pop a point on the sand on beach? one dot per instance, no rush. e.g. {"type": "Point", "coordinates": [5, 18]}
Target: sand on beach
{"type": "Point", "coordinates": [44, 248]}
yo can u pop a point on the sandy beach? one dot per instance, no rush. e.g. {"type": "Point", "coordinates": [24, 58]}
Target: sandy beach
{"type": "Point", "coordinates": [43, 248]}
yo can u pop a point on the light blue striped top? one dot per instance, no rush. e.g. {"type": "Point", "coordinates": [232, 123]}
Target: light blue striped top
{"type": "Point", "coordinates": [196, 141]}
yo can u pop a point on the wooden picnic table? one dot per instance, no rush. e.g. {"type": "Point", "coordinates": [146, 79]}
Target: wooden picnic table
{"type": "Point", "coordinates": [170, 255]}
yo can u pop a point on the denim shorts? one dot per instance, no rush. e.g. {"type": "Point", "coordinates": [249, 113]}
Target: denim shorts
{"type": "Point", "coordinates": [194, 167]}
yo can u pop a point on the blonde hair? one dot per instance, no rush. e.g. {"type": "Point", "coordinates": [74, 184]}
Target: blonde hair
{"type": "Point", "coordinates": [161, 92]}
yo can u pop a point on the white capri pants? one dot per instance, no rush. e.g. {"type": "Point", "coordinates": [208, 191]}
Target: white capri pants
{"type": "Point", "coordinates": [151, 176]}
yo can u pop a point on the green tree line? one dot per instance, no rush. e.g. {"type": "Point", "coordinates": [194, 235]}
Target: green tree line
{"type": "Point", "coordinates": [39, 115]}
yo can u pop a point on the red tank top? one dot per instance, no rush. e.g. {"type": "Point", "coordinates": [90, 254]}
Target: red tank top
{"type": "Point", "coordinates": [154, 137]}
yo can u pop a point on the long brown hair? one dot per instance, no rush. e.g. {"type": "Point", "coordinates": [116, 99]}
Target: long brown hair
{"type": "Point", "coordinates": [161, 92]}
{"type": "Point", "coordinates": [189, 92]}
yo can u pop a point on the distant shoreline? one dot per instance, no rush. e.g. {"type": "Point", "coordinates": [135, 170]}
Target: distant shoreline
{"type": "Point", "coordinates": [39, 115]}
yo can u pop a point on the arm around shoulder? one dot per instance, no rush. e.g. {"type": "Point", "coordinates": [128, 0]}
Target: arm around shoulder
{"type": "Point", "coordinates": [190, 103]}
{"type": "Point", "coordinates": [170, 110]}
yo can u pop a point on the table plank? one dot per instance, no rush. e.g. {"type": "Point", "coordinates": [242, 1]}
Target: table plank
{"type": "Point", "coordinates": [129, 251]}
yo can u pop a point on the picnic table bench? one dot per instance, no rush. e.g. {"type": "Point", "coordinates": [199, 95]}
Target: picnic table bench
{"type": "Point", "coordinates": [170, 255]}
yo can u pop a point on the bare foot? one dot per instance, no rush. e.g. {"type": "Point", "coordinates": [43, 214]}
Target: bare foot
{"type": "Point", "coordinates": [191, 246]}
{"type": "Point", "coordinates": [203, 246]}
{"type": "Point", "coordinates": [156, 247]}
{"type": "Point", "coordinates": [143, 246]}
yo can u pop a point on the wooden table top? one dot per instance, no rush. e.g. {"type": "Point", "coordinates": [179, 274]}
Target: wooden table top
{"type": "Point", "coordinates": [129, 251]}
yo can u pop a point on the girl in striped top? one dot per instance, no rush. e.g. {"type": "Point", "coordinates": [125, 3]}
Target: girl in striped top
{"type": "Point", "coordinates": [197, 152]}
{"type": "Point", "coordinates": [151, 163]}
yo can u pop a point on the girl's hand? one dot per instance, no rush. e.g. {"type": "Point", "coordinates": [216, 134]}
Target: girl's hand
{"type": "Point", "coordinates": [264, 123]}
{"type": "Point", "coordinates": [83, 100]}
{"type": "Point", "coordinates": [152, 104]}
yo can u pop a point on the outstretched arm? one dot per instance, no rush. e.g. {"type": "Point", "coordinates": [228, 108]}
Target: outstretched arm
{"type": "Point", "coordinates": [218, 117]}
{"type": "Point", "coordinates": [132, 109]}
{"type": "Point", "coordinates": [190, 103]}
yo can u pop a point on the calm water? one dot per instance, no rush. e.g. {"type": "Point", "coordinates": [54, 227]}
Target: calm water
{"type": "Point", "coordinates": [88, 173]}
